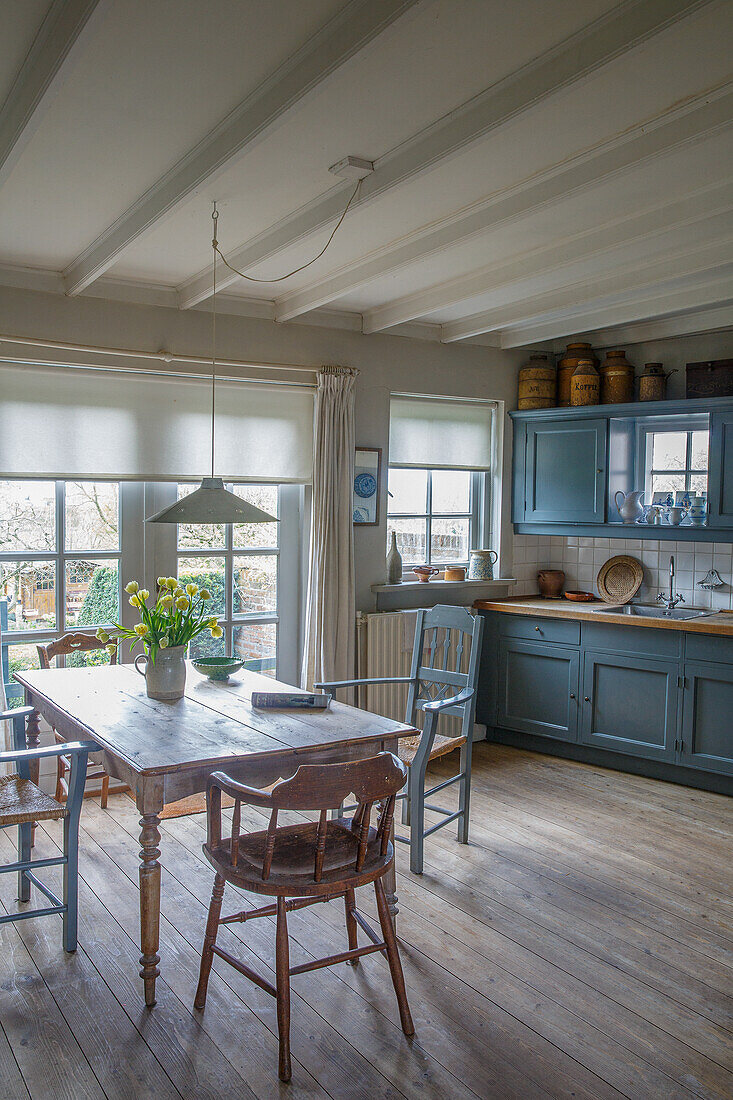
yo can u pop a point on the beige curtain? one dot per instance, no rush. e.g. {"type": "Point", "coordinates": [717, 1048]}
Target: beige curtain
{"type": "Point", "coordinates": [330, 608]}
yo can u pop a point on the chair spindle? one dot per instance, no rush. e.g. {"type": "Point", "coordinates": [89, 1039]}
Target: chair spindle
{"type": "Point", "coordinates": [269, 845]}
{"type": "Point", "coordinates": [236, 822]}
{"type": "Point", "coordinates": [363, 835]}
{"type": "Point", "coordinates": [320, 845]}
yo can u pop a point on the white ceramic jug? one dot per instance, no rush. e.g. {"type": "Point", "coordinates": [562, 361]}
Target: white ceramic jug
{"type": "Point", "coordinates": [630, 509]}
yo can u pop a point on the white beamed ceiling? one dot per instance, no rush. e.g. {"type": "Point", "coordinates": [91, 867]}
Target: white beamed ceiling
{"type": "Point", "coordinates": [509, 213]}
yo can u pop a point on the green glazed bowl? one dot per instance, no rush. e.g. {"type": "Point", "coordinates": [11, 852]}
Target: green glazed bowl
{"type": "Point", "coordinates": [217, 668]}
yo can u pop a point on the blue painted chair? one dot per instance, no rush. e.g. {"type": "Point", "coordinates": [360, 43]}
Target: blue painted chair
{"type": "Point", "coordinates": [22, 803]}
{"type": "Point", "coordinates": [445, 659]}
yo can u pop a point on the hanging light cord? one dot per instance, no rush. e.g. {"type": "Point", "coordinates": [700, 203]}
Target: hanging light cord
{"type": "Point", "coordinates": [215, 249]}
{"type": "Point", "coordinates": [281, 278]}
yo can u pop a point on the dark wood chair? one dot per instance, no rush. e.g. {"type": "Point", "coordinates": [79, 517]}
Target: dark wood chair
{"type": "Point", "coordinates": [65, 646]}
{"type": "Point", "coordinates": [307, 862]}
{"type": "Point", "coordinates": [22, 803]}
{"type": "Point", "coordinates": [443, 678]}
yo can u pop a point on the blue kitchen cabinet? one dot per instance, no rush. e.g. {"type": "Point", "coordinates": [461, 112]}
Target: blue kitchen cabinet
{"type": "Point", "coordinates": [707, 717]}
{"type": "Point", "coordinates": [538, 688]}
{"type": "Point", "coordinates": [630, 705]}
{"type": "Point", "coordinates": [720, 477]}
{"type": "Point", "coordinates": [564, 472]}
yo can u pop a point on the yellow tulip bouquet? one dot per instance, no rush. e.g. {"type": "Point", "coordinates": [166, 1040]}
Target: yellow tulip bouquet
{"type": "Point", "coordinates": [177, 616]}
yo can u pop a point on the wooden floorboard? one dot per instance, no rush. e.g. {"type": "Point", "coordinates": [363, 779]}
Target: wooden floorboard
{"type": "Point", "coordinates": [580, 947]}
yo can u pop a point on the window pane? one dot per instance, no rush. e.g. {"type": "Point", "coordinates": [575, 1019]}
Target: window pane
{"type": "Point", "coordinates": [92, 515]}
{"type": "Point", "coordinates": [20, 658]}
{"type": "Point", "coordinates": [451, 491]}
{"type": "Point", "coordinates": [699, 483]}
{"type": "Point", "coordinates": [409, 491]}
{"type": "Point", "coordinates": [27, 515]}
{"type": "Point", "coordinates": [256, 645]}
{"type": "Point", "coordinates": [669, 451]}
{"type": "Point", "coordinates": [88, 658]}
{"type": "Point", "coordinates": [198, 536]}
{"type": "Point", "coordinates": [255, 584]}
{"type": "Point", "coordinates": [92, 592]}
{"type": "Point", "coordinates": [29, 587]}
{"type": "Point", "coordinates": [257, 534]}
{"type": "Point", "coordinates": [449, 540]}
{"type": "Point", "coordinates": [206, 573]}
{"type": "Point", "coordinates": [410, 539]}
{"type": "Point", "coordinates": [700, 450]}
{"type": "Point", "coordinates": [665, 483]}
{"type": "Point", "coordinates": [203, 645]}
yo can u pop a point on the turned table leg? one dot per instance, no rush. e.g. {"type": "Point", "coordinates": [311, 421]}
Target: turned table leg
{"type": "Point", "coordinates": [32, 739]}
{"type": "Point", "coordinates": [149, 903]}
{"type": "Point", "coordinates": [390, 879]}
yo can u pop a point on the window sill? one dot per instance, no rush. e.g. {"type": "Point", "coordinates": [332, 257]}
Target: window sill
{"type": "Point", "coordinates": [453, 585]}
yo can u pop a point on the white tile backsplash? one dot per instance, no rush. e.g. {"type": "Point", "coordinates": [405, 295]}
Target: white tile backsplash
{"type": "Point", "coordinates": [581, 557]}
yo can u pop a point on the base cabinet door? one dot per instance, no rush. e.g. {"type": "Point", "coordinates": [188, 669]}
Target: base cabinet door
{"type": "Point", "coordinates": [707, 718]}
{"type": "Point", "coordinates": [538, 688]}
{"type": "Point", "coordinates": [629, 705]}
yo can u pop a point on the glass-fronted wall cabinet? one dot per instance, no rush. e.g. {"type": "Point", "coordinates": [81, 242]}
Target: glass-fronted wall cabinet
{"type": "Point", "coordinates": [571, 464]}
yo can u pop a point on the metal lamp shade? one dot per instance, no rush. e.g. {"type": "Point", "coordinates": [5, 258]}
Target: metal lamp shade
{"type": "Point", "coordinates": [211, 503]}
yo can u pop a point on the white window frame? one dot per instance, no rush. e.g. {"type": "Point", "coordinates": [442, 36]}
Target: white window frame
{"type": "Point", "coordinates": [479, 515]}
{"type": "Point", "coordinates": [147, 551]}
{"type": "Point", "coordinates": [687, 422]}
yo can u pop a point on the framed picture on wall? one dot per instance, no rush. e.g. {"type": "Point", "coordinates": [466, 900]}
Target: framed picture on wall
{"type": "Point", "coordinates": [367, 474]}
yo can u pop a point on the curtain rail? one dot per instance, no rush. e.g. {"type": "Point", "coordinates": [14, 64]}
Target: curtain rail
{"type": "Point", "coordinates": [162, 355]}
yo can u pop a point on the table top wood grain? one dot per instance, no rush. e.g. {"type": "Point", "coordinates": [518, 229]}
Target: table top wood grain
{"type": "Point", "coordinates": [212, 724]}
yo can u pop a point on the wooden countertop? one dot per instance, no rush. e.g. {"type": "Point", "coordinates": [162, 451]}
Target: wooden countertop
{"type": "Point", "coordinates": [718, 623]}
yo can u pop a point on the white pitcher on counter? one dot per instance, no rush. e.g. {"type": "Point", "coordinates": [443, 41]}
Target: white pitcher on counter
{"type": "Point", "coordinates": [630, 509]}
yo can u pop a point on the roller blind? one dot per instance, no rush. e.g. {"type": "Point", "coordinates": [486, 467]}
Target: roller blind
{"type": "Point", "coordinates": [440, 433]}
{"type": "Point", "coordinates": [65, 422]}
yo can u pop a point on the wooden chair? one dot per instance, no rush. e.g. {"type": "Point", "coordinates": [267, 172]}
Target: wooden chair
{"type": "Point", "coordinates": [22, 803]}
{"type": "Point", "coordinates": [66, 645]}
{"type": "Point", "coordinates": [441, 663]}
{"type": "Point", "coordinates": [307, 863]}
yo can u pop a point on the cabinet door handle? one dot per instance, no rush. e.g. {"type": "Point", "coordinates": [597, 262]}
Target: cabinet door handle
{"type": "Point", "coordinates": [572, 694]}
{"type": "Point", "coordinates": [538, 630]}
{"type": "Point", "coordinates": [676, 743]}
{"type": "Point", "coordinates": [586, 698]}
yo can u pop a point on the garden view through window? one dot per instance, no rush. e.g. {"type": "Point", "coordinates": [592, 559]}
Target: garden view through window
{"type": "Point", "coordinates": [434, 514]}
{"type": "Point", "coordinates": [677, 461]}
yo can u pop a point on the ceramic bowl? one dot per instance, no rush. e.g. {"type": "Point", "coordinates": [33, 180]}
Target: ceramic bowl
{"type": "Point", "coordinates": [424, 572]}
{"type": "Point", "coordinates": [217, 668]}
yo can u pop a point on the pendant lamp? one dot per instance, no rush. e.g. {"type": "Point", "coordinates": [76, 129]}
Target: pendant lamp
{"type": "Point", "coordinates": [211, 502]}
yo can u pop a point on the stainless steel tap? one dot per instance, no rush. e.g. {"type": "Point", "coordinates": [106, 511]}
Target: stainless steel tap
{"type": "Point", "coordinates": [671, 600]}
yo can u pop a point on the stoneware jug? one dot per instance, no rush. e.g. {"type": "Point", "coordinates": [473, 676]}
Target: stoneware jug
{"type": "Point", "coordinates": [630, 509]}
{"type": "Point", "coordinates": [481, 565]}
{"type": "Point", "coordinates": [675, 515]}
{"type": "Point", "coordinates": [698, 511]}
{"type": "Point", "coordinates": [166, 679]}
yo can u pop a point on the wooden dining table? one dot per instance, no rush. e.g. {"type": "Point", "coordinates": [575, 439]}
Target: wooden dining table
{"type": "Point", "coordinates": [166, 751]}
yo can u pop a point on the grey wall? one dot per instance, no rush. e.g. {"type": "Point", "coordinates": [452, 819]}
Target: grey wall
{"type": "Point", "coordinates": [387, 364]}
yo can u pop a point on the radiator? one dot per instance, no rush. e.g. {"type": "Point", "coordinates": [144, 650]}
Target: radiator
{"type": "Point", "coordinates": [385, 642]}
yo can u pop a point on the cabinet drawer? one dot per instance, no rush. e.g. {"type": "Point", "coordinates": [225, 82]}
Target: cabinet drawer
{"type": "Point", "coordinates": [708, 647]}
{"type": "Point", "coordinates": [632, 639]}
{"type": "Point", "coordinates": [540, 630]}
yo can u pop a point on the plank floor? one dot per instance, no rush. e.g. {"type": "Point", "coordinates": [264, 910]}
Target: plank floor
{"type": "Point", "coordinates": [581, 946]}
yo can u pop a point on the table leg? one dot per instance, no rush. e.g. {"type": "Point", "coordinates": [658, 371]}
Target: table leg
{"type": "Point", "coordinates": [33, 737]}
{"type": "Point", "coordinates": [149, 903]}
{"type": "Point", "coordinates": [390, 879]}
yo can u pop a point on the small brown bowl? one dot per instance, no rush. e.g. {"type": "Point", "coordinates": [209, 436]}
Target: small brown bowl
{"type": "Point", "coordinates": [424, 572]}
{"type": "Point", "coordinates": [580, 597]}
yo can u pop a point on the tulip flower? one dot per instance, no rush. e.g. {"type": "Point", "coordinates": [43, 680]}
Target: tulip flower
{"type": "Point", "coordinates": [183, 603]}
{"type": "Point", "coordinates": [171, 583]}
{"type": "Point", "coordinates": [134, 600]}
{"type": "Point", "coordinates": [163, 643]}
{"type": "Point", "coordinates": [166, 601]}
{"type": "Point", "coordinates": [192, 589]}
{"type": "Point", "coordinates": [102, 635]}
{"type": "Point", "coordinates": [143, 594]}
{"type": "Point", "coordinates": [132, 587]}
{"type": "Point", "coordinates": [216, 632]}
{"type": "Point", "coordinates": [111, 649]}
{"type": "Point", "coordinates": [141, 629]}
{"type": "Point", "coordinates": [205, 594]}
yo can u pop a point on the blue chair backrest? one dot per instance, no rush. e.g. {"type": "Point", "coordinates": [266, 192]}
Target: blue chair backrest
{"type": "Point", "coordinates": [445, 660]}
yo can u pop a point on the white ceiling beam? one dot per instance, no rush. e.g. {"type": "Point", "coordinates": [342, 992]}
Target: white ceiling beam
{"type": "Point", "coordinates": [692, 121]}
{"type": "Point", "coordinates": [625, 27]}
{"type": "Point", "coordinates": [579, 254]}
{"type": "Point", "coordinates": [568, 297]}
{"type": "Point", "coordinates": [357, 24]}
{"type": "Point", "coordinates": [691, 323]}
{"type": "Point", "coordinates": [62, 35]}
{"type": "Point", "coordinates": [639, 308]}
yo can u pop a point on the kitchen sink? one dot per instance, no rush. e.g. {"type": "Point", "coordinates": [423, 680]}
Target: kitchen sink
{"type": "Point", "coordinates": [653, 611]}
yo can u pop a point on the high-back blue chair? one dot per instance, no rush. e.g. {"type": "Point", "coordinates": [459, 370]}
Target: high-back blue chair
{"type": "Point", "coordinates": [22, 803]}
{"type": "Point", "coordinates": [443, 676]}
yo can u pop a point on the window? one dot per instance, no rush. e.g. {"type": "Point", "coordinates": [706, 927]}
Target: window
{"type": "Point", "coordinates": [676, 459]}
{"type": "Point", "coordinates": [435, 514]}
{"type": "Point", "coordinates": [240, 565]}
{"type": "Point", "coordinates": [60, 555]}
{"type": "Point", "coordinates": [442, 463]}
